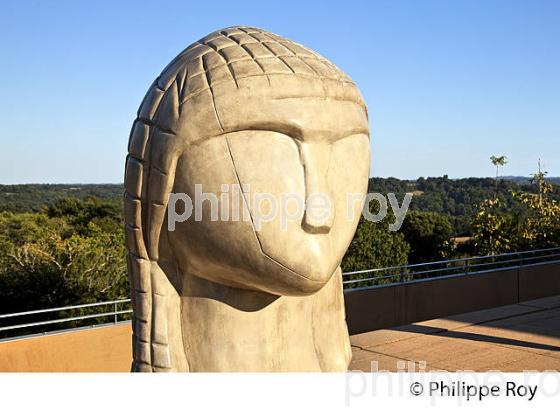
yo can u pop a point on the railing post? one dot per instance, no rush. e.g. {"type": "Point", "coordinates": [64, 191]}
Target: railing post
{"type": "Point", "coordinates": [519, 267]}
{"type": "Point", "coordinates": [116, 316]}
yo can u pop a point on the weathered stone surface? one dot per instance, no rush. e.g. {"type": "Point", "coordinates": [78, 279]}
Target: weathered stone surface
{"type": "Point", "coordinates": [244, 108]}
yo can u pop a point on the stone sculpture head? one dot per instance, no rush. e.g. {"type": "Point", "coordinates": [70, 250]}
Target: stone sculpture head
{"type": "Point", "coordinates": [247, 108]}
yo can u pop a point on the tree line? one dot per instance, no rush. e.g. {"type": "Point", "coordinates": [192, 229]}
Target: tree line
{"type": "Point", "coordinates": [63, 245]}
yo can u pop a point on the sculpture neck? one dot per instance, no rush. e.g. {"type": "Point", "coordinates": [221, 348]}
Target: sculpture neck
{"type": "Point", "coordinates": [231, 329]}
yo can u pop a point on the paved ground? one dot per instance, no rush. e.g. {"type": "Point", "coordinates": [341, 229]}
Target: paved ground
{"type": "Point", "coordinates": [513, 338]}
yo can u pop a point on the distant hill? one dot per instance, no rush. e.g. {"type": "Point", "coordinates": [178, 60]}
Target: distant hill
{"type": "Point", "coordinates": [456, 198]}
{"type": "Point", "coordinates": [35, 197]}
{"type": "Point", "coordinates": [527, 180]}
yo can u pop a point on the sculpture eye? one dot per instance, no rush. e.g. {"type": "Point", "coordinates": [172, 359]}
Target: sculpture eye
{"type": "Point", "coordinates": [270, 131]}
{"type": "Point", "coordinates": [352, 136]}
{"type": "Point", "coordinates": [263, 154]}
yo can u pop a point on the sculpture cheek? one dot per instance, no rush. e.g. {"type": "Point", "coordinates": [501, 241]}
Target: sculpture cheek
{"type": "Point", "coordinates": [349, 186]}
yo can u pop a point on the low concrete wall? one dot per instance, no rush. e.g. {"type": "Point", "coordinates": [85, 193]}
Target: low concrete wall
{"type": "Point", "coordinates": [399, 304]}
{"type": "Point", "coordinates": [539, 281]}
{"type": "Point", "coordinates": [102, 349]}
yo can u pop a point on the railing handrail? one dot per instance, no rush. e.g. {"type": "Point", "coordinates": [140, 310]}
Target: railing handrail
{"type": "Point", "coordinates": [515, 260]}
{"type": "Point", "coordinates": [115, 312]}
{"type": "Point", "coordinates": [66, 319]}
{"type": "Point", "coordinates": [58, 309]}
{"type": "Point", "coordinates": [445, 261]}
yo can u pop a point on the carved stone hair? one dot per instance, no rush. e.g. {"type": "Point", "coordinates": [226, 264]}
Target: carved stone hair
{"type": "Point", "coordinates": [225, 58]}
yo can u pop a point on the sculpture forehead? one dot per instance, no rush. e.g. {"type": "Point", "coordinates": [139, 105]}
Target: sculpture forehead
{"type": "Point", "coordinates": [307, 119]}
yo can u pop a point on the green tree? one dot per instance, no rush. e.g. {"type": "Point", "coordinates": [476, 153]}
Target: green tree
{"type": "Point", "coordinates": [81, 212]}
{"type": "Point", "coordinates": [492, 229]}
{"type": "Point", "coordinates": [498, 162]}
{"type": "Point", "coordinates": [532, 222]}
{"type": "Point", "coordinates": [71, 254]}
{"type": "Point", "coordinates": [375, 246]}
{"type": "Point", "coordinates": [541, 227]}
{"type": "Point", "coordinates": [428, 234]}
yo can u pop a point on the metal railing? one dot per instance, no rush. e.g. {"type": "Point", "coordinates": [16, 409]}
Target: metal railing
{"type": "Point", "coordinates": [450, 267]}
{"type": "Point", "coordinates": [117, 311]}
{"type": "Point", "coordinates": [45, 321]}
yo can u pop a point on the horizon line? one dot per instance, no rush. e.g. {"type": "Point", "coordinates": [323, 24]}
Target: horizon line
{"type": "Point", "coordinates": [370, 177]}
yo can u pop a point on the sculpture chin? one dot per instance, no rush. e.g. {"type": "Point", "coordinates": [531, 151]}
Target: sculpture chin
{"type": "Point", "coordinates": [303, 282]}
{"type": "Point", "coordinates": [289, 283]}
{"type": "Point", "coordinates": [308, 271]}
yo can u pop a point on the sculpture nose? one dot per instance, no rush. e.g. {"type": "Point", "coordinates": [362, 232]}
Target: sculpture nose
{"type": "Point", "coordinates": [319, 209]}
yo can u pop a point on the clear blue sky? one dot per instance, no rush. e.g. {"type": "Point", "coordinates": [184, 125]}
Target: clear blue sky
{"type": "Point", "coordinates": [448, 83]}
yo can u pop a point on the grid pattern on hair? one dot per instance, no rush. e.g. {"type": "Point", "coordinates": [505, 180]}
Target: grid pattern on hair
{"type": "Point", "coordinates": [145, 181]}
{"type": "Point", "coordinates": [240, 52]}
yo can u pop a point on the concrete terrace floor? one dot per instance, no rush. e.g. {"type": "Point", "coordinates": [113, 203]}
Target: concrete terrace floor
{"type": "Point", "coordinates": [513, 338]}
